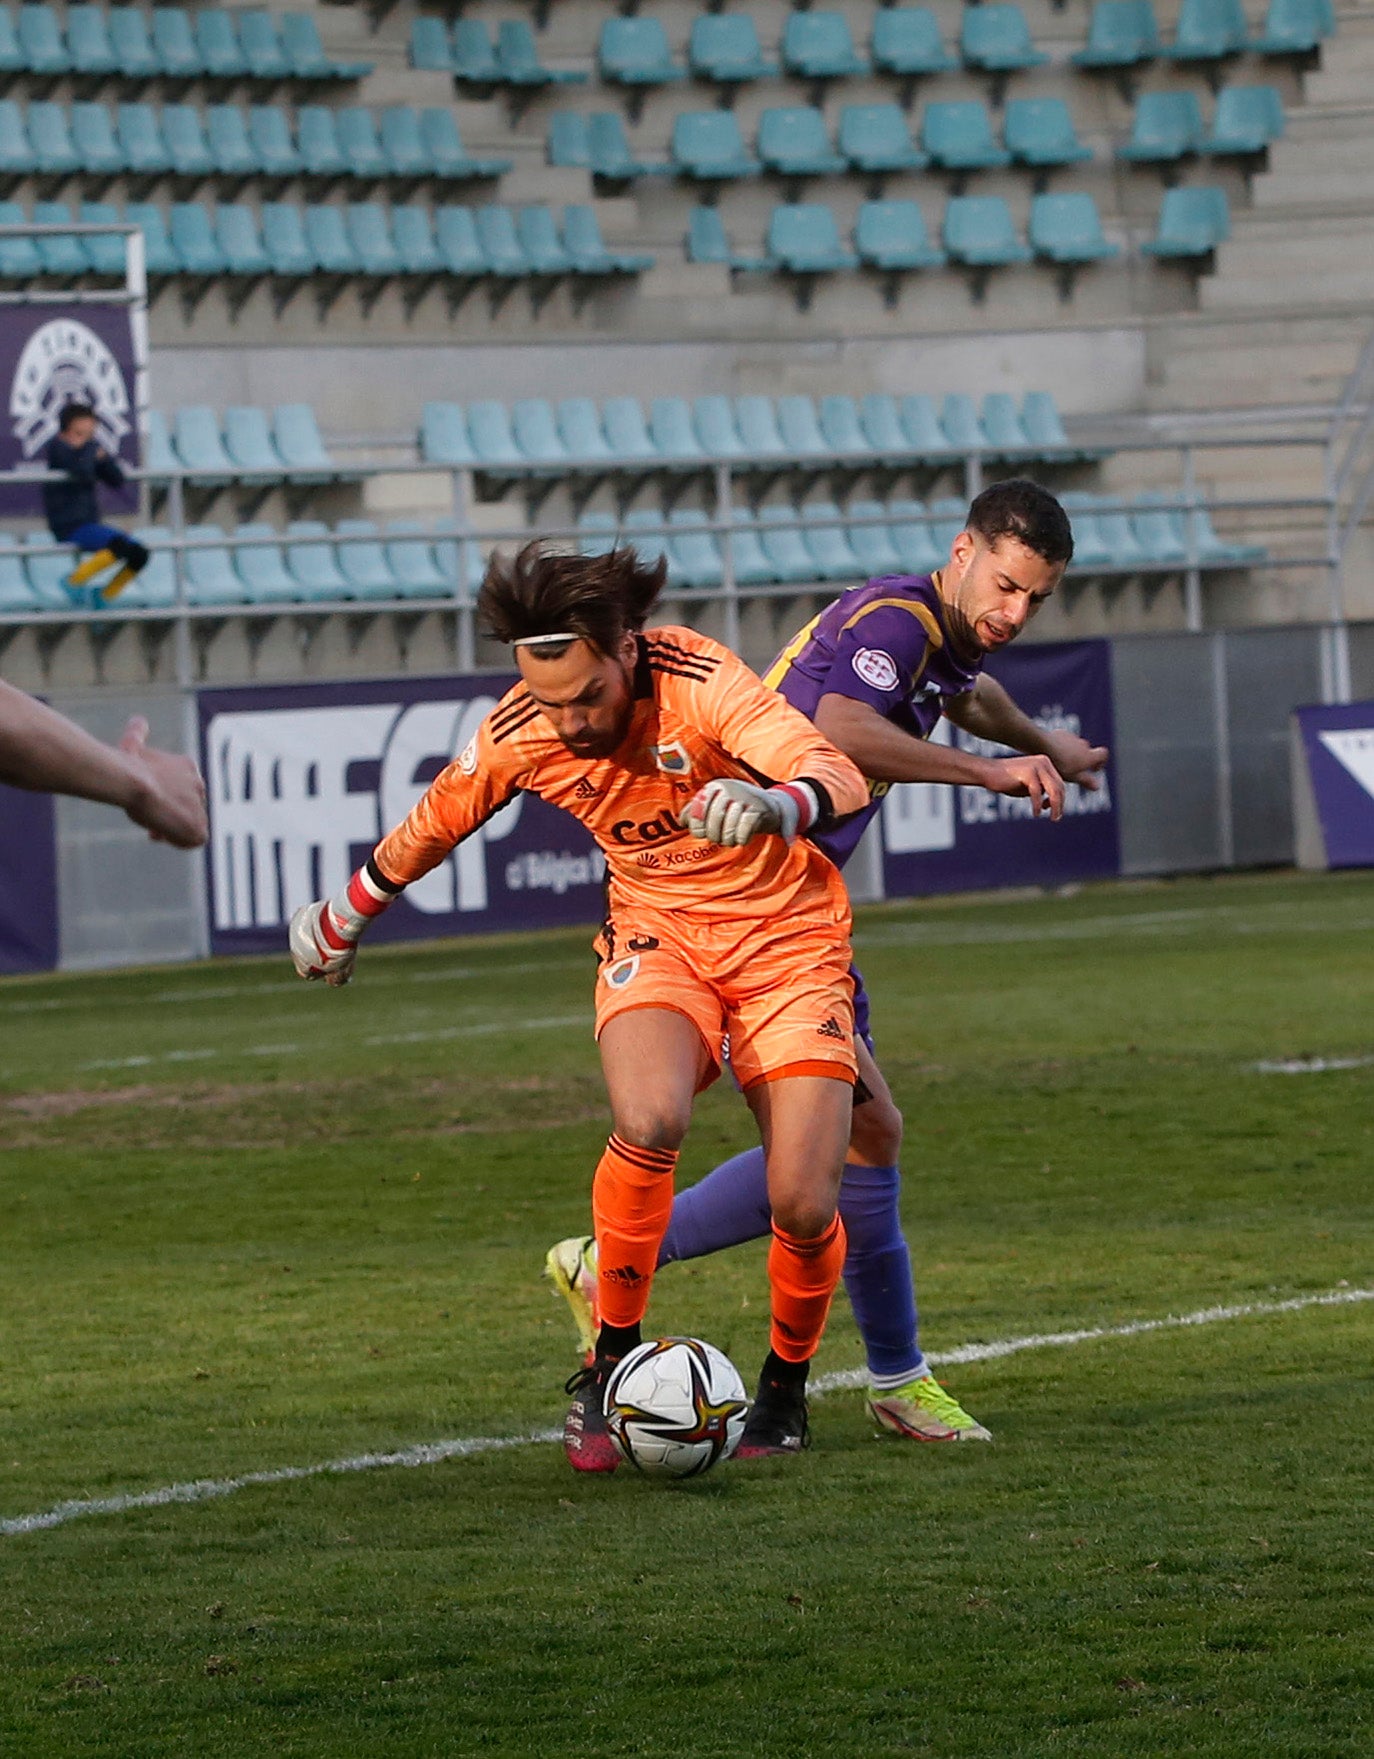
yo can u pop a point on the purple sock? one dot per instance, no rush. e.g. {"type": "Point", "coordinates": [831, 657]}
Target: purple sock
{"type": "Point", "coordinates": [877, 1274]}
{"type": "Point", "coordinates": [727, 1207]}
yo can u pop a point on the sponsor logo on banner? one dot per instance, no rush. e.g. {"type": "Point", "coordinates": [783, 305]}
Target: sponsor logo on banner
{"type": "Point", "coordinates": [64, 362]}
{"type": "Point", "coordinates": [1353, 748]}
{"type": "Point", "coordinates": [1338, 742]}
{"type": "Point", "coordinates": [876, 668]}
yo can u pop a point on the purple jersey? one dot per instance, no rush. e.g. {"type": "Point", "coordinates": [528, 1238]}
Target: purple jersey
{"type": "Point", "coordinates": [886, 644]}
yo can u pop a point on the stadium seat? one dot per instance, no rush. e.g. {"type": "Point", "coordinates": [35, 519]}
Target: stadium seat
{"type": "Point", "coordinates": [412, 231]}
{"type": "Point", "coordinates": [958, 136]}
{"type": "Point", "coordinates": [749, 562]}
{"type": "Point", "coordinates": [579, 428]}
{"type": "Point", "coordinates": [358, 142]}
{"type": "Point", "coordinates": [410, 556]}
{"type": "Point", "coordinates": [473, 58]}
{"type": "Point", "coordinates": [12, 58]}
{"type": "Point", "coordinates": [960, 424]}
{"type": "Point", "coordinates": [870, 540]}
{"type": "Point", "coordinates": [694, 557]}
{"type": "Point", "coordinates": [158, 456]}
{"type": "Point", "coordinates": [93, 136]}
{"type": "Point", "coordinates": [140, 141]}
{"type": "Point", "coordinates": [313, 562]}
{"type": "Point", "coordinates": [19, 258]}
{"type": "Point", "coordinates": [261, 46]}
{"type": "Point", "coordinates": [327, 236]}
{"type": "Point", "coordinates": [1167, 126]}
{"type": "Point", "coordinates": [132, 46]}
{"type": "Point", "coordinates": [757, 421]}
{"type": "Point", "coordinates": [305, 56]}
{"type": "Point", "coordinates": [882, 424]}
{"type": "Point", "coordinates": [803, 238]}
{"type": "Point", "coordinates": [1159, 531]}
{"type": "Point", "coordinates": [609, 155]}
{"type": "Point", "coordinates": [54, 151]}
{"type": "Point", "coordinates": [535, 428]}
{"type": "Point", "coordinates": [626, 435]}
{"type": "Point", "coordinates": [996, 39]}
{"type": "Point", "coordinates": [800, 427]}
{"type": "Point", "coordinates": [1003, 429]}
{"type": "Point", "coordinates": [1067, 229]}
{"type": "Point", "coordinates": [174, 43]}
{"type": "Point", "coordinates": [105, 251]}
{"type": "Point", "coordinates": [284, 240]}
{"type": "Point", "coordinates": [1040, 132]}
{"type": "Point", "coordinates": [635, 52]}
{"type": "Point", "coordinates": [40, 41]}
{"type": "Point", "coordinates": [789, 558]}
{"type": "Point", "coordinates": [708, 242]}
{"type": "Point", "coordinates": [518, 59]}
{"type": "Point", "coordinates": [363, 561]}
{"type": "Point", "coordinates": [62, 257]}
{"type": "Point", "coordinates": [402, 146]}
{"type": "Point", "coordinates": [818, 46]}
{"type": "Point", "coordinates": [823, 533]}
{"type": "Point", "coordinates": [500, 242]}
{"type": "Point", "coordinates": [155, 587]}
{"type": "Point", "coordinates": [261, 567]}
{"type": "Point", "coordinates": [226, 131]}
{"type": "Point", "coordinates": [1122, 33]}
{"type": "Point", "coordinates": [16, 595]}
{"type": "Point", "coordinates": [193, 239]}
{"type": "Point", "coordinates": [248, 441]}
{"type": "Point", "coordinates": [240, 242]}
{"type": "Point", "coordinates": [921, 425]}
{"type": "Point", "coordinates": [493, 442]}
{"type": "Point", "coordinates": [946, 521]}
{"type": "Point", "coordinates": [317, 141]}
{"type": "Point", "coordinates": [672, 432]}
{"type": "Point", "coordinates": [707, 146]}
{"type": "Point", "coordinates": [1209, 30]}
{"type": "Point", "coordinates": [1091, 551]}
{"type": "Point", "coordinates": [638, 528]}
{"type": "Point", "coordinates": [269, 135]}
{"type": "Point", "coordinates": [1295, 27]}
{"type": "Point", "coordinates": [841, 427]}
{"type": "Point", "coordinates": [447, 154]}
{"type": "Point", "coordinates": [200, 445]}
{"type": "Point", "coordinates": [1247, 119]}
{"type": "Point", "coordinates": [369, 233]}
{"type": "Point", "coordinates": [875, 138]}
{"type": "Point", "coordinates": [713, 417]}
{"type": "Point", "coordinates": [892, 235]}
{"type": "Point", "coordinates": [218, 42]}
{"type": "Point", "coordinates": [460, 561]}
{"type": "Point", "coordinates": [455, 235]}
{"type": "Point", "coordinates": [211, 578]}
{"type": "Point", "coordinates": [543, 249]}
{"type": "Point", "coordinates": [598, 532]}
{"type": "Point", "coordinates": [569, 143]}
{"type": "Point", "coordinates": [88, 42]}
{"type": "Point", "coordinates": [16, 151]}
{"type": "Point", "coordinates": [187, 147]}
{"type": "Point", "coordinates": [160, 256]}
{"type": "Point", "coordinates": [590, 256]}
{"type": "Point", "coordinates": [1044, 427]}
{"type": "Point", "coordinates": [1192, 222]}
{"type": "Point", "coordinates": [46, 573]}
{"type": "Point", "coordinates": [431, 47]}
{"type": "Point", "coordinates": [979, 231]}
{"type": "Point", "coordinates": [793, 141]}
{"type": "Point", "coordinates": [725, 47]}
{"type": "Point", "coordinates": [444, 435]}
{"type": "Point", "coordinates": [906, 41]}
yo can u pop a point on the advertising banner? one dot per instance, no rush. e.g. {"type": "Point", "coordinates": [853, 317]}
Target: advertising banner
{"type": "Point", "coordinates": [28, 882]}
{"type": "Point", "coordinates": [1338, 744]}
{"type": "Point", "coordinates": [304, 780]}
{"type": "Point", "coordinates": [51, 355]}
{"type": "Point", "coordinates": [942, 839]}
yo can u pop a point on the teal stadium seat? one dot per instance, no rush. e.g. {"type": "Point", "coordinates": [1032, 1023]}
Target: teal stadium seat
{"type": "Point", "coordinates": [996, 39]}
{"type": "Point", "coordinates": [708, 242]}
{"type": "Point", "coordinates": [1247, 119]}
{"type": "Point", "coordinates": [635, 52]}
{"type": "Point", "coordinates": [672, 431]}
{"type": "Point", "coordinates": [724, 47]}
{"type": "Point", "coordinates": [789, 559]}
{"type": "Point", "coordinates": [313, 562]}
{"type": "Point", "coordinates": [402, 144]}
{"type": "Point", "coordinates": [363, 561]}
{"type": "Point", "coordinates": [327, 236]}
{"type": "Point", "coordinates": [11, 55]}
{"type": "Point", "coordinates": [875, 138]}
{"type": "Point", "coordinates": [518, 59]}
{"type": "Point", "coordinates": [226, 130]}
{"type": "Point", "coordinates": [1166, 127]}
{"type": "Point", "coordinates": [369, 232]}
{"type": "Point", "coordinates": [158, 456]}
{"type": "Point", "coordinates": [1120, 539]}
{"type": "Point", "coordinates": [54, 151]}
{"type": "Point", "coordinates": [455, 235]}
{"type": "Point", "coordinates": [362, 151]}
{"type": "Point", "coordinates": [870, 540]}
{"type": "Point", "coordinates": [792, 140]}
{"type": "Point", "coordinates": [317, 142]}
{"type": "Point", "coordinates": [980, 233]}
{"type": "Point", "coordinates": [1001, 424]}
{"type": "Point", "coordinates": [447, 154]}
{"type": "Point", "coordinates": [284, 240]}
{"type": "Point", "coordinates": [414, 567]}
{"type": "Point", "coordinates": [638, 528]}
{"type": "Point", "coordinates": [749, 561]}
{"type": "Point", "coordinates": [269, 135]}
{"type": "Point", "coordinates": [175, 45]}
{"type": "Point", "coordinates": [892, 235]}
{"type": "Point", "coordinates": [841, 427]}
{"type": "Point", "coordinates": [1159, 531]}
{"type": "Point", "coordinates": [444, 436]}
{"type": "Point", "coordinates": [46, 573]}
{"type": "Point", "coordinates": [40, 40]}
{"type": "Point", "coordinates": [708, 147]}
{"type": "Point", "coordinates": [88, 42]}
{"type": "Point", "coordinates": [105, 251]}
{"type": "Point", "coordinates": [1122, 33]}
{"type": "Point", "coordinates": [211, 578]}
{"type": "Point", "coordinates": [1044, 427]}
{"type": "Point", "coordinates": [537, 232]}
{"type": "Point", "coordinates": [569, 144]}
{"type": "Point", "coordinates": [803, 238]}
{"type": "Point", "coordinates": [946, 521]}
{"type": "Point", "coordinates": [611, 158]}
{"type": "Point", "coordinates": [17, 157]}
{"type": "Point", "coordinates": [160, 256]}
{"type": "Point", "coordinates": [62, 257]}
{"type": "Point", "coordinates": [713, 417]}
{"type": "Point", "coordinates": [1209, 30]}
{"type": "Point", "coordinates": [800, 427]}
{"type": "Point", "coordinates": [140, 141]}
{"type": "Point", "coordinates": [460, 561]}
{"type": "Point", "coordinates": [218, 43]}
{"type": "Point", "coordinates": [957, 135]}
{"type": "Point", "coordinates": [1091, 551]}
{"type": "Point", "coordinates": [492, 439]}
{"type": "Point", "coordinates": [474, 60]}
{"type": "Point", "coordinates": [882, 425]}
{"type": "Point", "coordinates": [757, 421]}
{"type": "Point", "coordinates": [248, 441]}
{"type": "Point", "coordinates": [1192, 223]}
{"type": "Point", "coordinates": [906, 41]}
{"type": "Point", "coordinates": [304, 52]}
{"type": "Point", "coordinates": [19, 258]}
{"type": "Point", "coordinates": [93, 136]}
{"type": "Point", "coordinates": [16, 595]}
{"type": "Point", "coordinates": [500, 241]}
{"type": "Point", "coordinates": [431, 46]}
{"type": "Point", "coordinates": [626, 435]}
{"type": "Point", "coordinates": [535, 428]}
{"type": "Point", "coordinates": [412, 230]}
{"type": "Point", "coordinates": [1067, 229]}
{"type": "Point", "coordinates": [155, 587]}
{"type": "Point", "coordinates": [193, 239]}
{"type": "Point", "coordinates": [1040, 132]}
{"type": "Point", "coordinates": [817, 45]}
{"type": "Point", "coordinates": [199, 445]}
{"type": "Point", "coordinates": [924, 434]}
{"type": "Point", "coordinates": [590, 256]}
{"type": "Point", "coordinates": [1296, 27]}
{"type": "Point", "coordinates": [240, 242]}
{"type": "Point", "coordinates": [187, 147]}
{"type": "Point", "coordinates": [135, 57]}
{"type": "Point", "coordinates": [694, 558]}
{"type": "Point", "coordinates": [261, 566]}
{"type": "Point", "coordinates": [579, 428]}
{"type": "Point", "coordinates": [960, 423]}
{"type": "Point", "coordinates": [262, 47]}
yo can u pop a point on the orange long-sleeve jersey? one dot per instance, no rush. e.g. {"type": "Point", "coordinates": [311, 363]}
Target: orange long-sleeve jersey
{"type": "Point", "coordinates": [699, 713]}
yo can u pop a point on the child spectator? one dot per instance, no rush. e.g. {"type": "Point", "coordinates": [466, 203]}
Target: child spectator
{"type": "Point", "coordinates": [71, 508]}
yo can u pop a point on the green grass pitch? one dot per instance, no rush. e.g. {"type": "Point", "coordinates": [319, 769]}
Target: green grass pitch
{"type": "Point", "coordinates": [249, 1224]}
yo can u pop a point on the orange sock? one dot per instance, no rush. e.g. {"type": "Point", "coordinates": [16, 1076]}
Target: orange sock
{"type": "Point", "coordinates": [803, 1275]}
{"type": "Point", "coordinates": [632, 1199]}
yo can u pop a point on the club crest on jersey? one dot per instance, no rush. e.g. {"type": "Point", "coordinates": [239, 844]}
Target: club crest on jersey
{"type": "Point", "coordinates": [673, 759]}
{"type": "Point", "coordinates": [622, 972]}
{"type": "Point", "coordinates": [467, 757]}
{"type": "Point", "coordinates": [876, 668]}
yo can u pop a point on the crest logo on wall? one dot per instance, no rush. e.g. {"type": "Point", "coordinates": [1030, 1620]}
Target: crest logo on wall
{"type": "Point", "coordinates": [65, 362]}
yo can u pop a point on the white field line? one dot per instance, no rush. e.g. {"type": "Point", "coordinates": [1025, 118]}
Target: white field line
{"type": "Point", "coordinates": [431, 1453]}
{"type": "Point", "coordinates": [1312, 1065]}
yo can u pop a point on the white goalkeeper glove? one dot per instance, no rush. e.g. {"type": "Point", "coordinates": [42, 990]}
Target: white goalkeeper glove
{"type": "Point", "coordinates": [732, 813]}
{"type": "Point", "coordinates": [324, 935]}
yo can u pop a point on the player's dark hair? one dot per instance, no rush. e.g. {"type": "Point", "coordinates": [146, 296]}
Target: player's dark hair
{"type": "Point", "coordinates": [72, 412]}
{"type": "Point", "coordinates": [539, 591]}
{"type": "Point", "coordinates": [1021, 509]}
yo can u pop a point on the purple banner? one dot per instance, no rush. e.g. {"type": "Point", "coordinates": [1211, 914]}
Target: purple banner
{"type": "Point", "coordinates": [304, 780]}
{"type": "Point", "coordinates": [942, 839]}
{"type": "Point", "coordinates": [1339, 745]}
{"type": "Point", "coordinates": [28, 882]}
{"type": "Point", "coordinates": [51, 355]}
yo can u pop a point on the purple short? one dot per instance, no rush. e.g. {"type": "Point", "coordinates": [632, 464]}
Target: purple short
{"type": "Point", "coordinates": [862, 1029]}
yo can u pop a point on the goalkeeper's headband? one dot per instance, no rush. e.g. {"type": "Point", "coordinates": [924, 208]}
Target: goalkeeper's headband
{"type": "Point", "coordinates": [544, 640]}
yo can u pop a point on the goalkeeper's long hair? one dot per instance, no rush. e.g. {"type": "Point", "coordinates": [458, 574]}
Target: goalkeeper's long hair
{"type": "Point", "coordinates": [542, 592]}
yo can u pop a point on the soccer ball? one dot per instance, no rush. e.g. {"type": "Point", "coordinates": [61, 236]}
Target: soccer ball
{"type": "Point", "coordinates": [676, 1406]}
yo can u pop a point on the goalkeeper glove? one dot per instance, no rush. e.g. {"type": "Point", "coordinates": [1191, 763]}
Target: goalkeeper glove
{"type": "Point", "coordinates": [324, 936]}
{"type": "Point", "coordinates": [732, 813]}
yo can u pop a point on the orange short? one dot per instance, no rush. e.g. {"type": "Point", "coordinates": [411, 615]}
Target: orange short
{"type": "Point", "coordinates": [779, 993]}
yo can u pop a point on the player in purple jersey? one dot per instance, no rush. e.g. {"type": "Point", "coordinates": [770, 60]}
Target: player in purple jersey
{"type": "Point", "coordinates": [875, 671]}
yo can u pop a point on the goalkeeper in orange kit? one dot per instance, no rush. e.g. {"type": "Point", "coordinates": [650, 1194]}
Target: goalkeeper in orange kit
{"type": "Point", "coordinates": [723, 921]}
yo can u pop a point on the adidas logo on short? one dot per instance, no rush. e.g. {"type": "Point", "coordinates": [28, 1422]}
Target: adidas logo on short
{"type": "Point", "coordinates": [831, 1029]}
